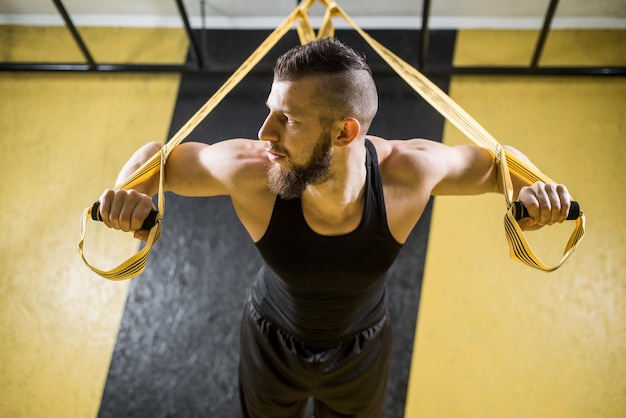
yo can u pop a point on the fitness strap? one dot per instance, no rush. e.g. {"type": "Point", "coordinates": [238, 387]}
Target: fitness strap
{"type": "Point", "coordinates": [519, 246]}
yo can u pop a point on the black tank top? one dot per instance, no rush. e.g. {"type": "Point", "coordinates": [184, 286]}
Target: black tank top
{"type": "Point", "coordinates": [323, 289]}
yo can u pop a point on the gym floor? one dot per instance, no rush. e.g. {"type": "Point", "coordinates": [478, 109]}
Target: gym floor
{"type": "Point", "coordinates": [489, 337]}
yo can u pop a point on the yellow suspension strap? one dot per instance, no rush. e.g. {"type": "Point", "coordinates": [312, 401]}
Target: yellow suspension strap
{"type": "Point", "coordinates": [136, 264]}
{"type": "Point", "coordinates": [519, 246]}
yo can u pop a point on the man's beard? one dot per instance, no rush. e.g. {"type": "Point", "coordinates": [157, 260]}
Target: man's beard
{"type": "Point", "coordinates": [290, 183]}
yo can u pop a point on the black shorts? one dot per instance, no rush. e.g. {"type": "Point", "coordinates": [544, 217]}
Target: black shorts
{"type": "Point", "coordinates": [278, 373]}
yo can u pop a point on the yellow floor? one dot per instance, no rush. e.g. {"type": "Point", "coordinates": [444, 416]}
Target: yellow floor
{"type": "Point", "coordinates": [63, 137]}
{"type": "Point", "coordinates": [496, 338]}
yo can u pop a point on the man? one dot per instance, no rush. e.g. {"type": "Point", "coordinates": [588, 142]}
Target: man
{"type": "Point", "coordinates": [329, 208]}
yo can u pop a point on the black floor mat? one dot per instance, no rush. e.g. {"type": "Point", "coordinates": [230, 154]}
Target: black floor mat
{"type": "Point", "coordinates": [177, 348]}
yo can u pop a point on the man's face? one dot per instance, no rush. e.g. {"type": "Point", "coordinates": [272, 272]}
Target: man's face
{"type": "Point", "coordinates": [291, 182]}
{"type": "Point", "coordinates": [297, 144]}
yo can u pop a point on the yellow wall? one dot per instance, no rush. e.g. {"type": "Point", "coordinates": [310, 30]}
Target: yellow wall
{"type": "Point", "coordinates": [496, 338]}
{"type": "Point", "coordinates": [63, 137]}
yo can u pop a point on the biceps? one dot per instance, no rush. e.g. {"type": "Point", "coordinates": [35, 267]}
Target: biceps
{"type": "Point", "coordinates": [466, 170]}
{"type": "Point", "coordinates": [189, 170]}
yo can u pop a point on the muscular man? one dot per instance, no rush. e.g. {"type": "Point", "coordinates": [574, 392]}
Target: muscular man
{"type": "Point", "coordinates": [329, 208]}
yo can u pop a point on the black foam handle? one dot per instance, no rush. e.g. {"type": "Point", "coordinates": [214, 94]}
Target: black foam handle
{"type": "Point", "coordinates": [520, 211]}
{"type": "Point", "coordinates": [148, 223]}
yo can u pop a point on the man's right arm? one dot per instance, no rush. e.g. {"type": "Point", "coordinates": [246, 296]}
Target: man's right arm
{"type": "Point", "coordinates": [192, 169]}
{"type": "Point", "coordinates": [127, 209]}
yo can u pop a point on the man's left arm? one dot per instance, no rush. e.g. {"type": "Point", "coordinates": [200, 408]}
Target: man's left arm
{"type": "Point", "coordinates": [467, 169]}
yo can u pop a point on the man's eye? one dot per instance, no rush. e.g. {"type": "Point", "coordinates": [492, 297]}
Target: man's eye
{"type": "Point", "coordinates": [288, 119]}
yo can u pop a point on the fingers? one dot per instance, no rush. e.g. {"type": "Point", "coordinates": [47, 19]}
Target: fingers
{"type": "Point", "coordinates": [565, 200]}
{"type": "Point", "coordinates": [124, 210]}
{"type": "Point", "coordinates": [547, 204]}
{"type": "Point", "coordinates": [106, 201]}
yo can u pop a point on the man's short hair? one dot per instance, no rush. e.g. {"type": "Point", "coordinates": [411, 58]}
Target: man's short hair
{"type": "Point", "coordinates": [346, 87]}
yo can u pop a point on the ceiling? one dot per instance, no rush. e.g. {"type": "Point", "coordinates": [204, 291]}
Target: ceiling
{"type": "Point", "coordinates": [234, 13]}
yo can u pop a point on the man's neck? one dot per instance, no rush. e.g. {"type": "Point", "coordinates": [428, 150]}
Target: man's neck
{"type": "Point", "coordinates": [341, 194]}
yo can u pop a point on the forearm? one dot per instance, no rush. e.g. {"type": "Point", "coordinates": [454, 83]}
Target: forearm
{"type": "Point", "coordinates": [149, 186]}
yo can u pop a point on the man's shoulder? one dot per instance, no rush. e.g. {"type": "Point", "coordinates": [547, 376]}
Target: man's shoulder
{"type": "Point", "coordinates": [246, 159]}
{"type": "Point", "coordinates": [405, 154]}
{"type": "Point", "coordinates": [242, 147]}
{"type": "Point", "coordinates": [235, 155]}
{"type": "Point", "coordinates": [408, 176]}
{"type": "Point", "coordinates": [225, 167]}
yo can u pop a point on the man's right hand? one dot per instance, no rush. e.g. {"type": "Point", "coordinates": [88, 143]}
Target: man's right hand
{"type": "Point", "coordinates": [126, 210]}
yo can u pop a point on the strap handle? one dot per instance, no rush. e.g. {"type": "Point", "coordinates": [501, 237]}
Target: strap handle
{"type": "Point", "coordinates": [136, 264]}
{"type": "Point", "coordinates": [519, 247]}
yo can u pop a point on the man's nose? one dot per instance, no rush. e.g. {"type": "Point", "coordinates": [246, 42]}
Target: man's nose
{"type": "Point", "coordinates": [268, 132]}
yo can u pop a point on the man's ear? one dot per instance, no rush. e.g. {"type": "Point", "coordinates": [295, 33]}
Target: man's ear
{"type": "Point", "coordinates": [345, 131]}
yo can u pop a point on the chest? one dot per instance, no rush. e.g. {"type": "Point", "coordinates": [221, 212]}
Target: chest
{"type": "Point", "coordinates": [333, 222]}
{"type": "Point", "coordinates": [307, 261]}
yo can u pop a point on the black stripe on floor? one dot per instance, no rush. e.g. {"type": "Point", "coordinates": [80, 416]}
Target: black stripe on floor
{"type": "Point", "coordinates": [177, 348]}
